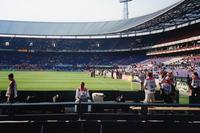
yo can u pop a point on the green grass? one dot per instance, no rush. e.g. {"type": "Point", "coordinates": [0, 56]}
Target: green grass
{"type": "Point", "coordinates": [183, 99]}
{"type": "Point", "coordinates": [50, 80]}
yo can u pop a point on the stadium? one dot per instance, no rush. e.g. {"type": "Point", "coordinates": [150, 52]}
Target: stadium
{"type": "Point", "coordinates": [49, 60]}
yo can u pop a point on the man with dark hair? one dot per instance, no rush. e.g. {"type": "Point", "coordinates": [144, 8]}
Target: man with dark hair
{"type": "Point", "coordinates": [149, 88]}
{"type": "Point", "coordinates": [142, 78]}
{"type": "Point", "coordinates": [188, 81]}
{"type": "Point", "coordinates": [195, 89]}
{"type": "Point", "coordinates": [11, 92]}
{"type": "Point", "coordinates": [195, 84]}
{"type": "Point", "coordinates": [82, 95]}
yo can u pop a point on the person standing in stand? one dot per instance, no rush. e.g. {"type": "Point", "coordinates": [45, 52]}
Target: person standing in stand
{"type": "Point", "coordinates": [142, 78]}
{"type": "Point", "coordinates": [195, 88]}
{"type": "Point", "coordinates": [82, 95]}
{"type": "Point", "coordinates": [149, 88]}
{"type": "Point", "coordinates": [11, 93]}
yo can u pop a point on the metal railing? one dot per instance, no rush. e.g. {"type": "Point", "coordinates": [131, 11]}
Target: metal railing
{"type": "Point", "coordinates": [110, 111]}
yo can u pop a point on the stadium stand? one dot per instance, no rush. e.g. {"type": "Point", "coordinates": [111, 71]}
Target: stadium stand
{"type": "Point", "coordinates": [148, 42]}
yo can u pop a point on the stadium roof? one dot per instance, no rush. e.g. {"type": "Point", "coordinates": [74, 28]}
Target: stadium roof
{"type": "Point", "coordinates": [182, 12]}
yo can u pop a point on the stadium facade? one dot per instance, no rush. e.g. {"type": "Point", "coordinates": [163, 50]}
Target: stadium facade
{"type": "Point", "coordinates": [173, 31]}
{"type": "Point", "coordinates": [178, 15]}
{"type": "Point", "coordinates": [117, 42]}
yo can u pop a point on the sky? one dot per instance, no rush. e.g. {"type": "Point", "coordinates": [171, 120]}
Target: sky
{"type": "Point", "coordinates": [76, 10]}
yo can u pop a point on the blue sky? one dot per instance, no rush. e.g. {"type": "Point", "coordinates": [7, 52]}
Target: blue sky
{"type": "Point", "coordinates": [76, 10]}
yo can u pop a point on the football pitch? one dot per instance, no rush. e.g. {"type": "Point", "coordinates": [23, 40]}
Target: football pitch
{"type": "Point", "coordinates": [52, 80]}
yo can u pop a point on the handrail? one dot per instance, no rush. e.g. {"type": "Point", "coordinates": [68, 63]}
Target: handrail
{"type": "Point", "coordinates": [43, 112]}
{"type": "Point", "coordinates": [48, 104]}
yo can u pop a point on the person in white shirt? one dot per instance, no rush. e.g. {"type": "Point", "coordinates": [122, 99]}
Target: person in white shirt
{"type": "Point", "coordinates": [82, 95]}
{"type": "Point", "coordinates": [11, 93]}
{"type": "Point", "coordinates": [149, 86]}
